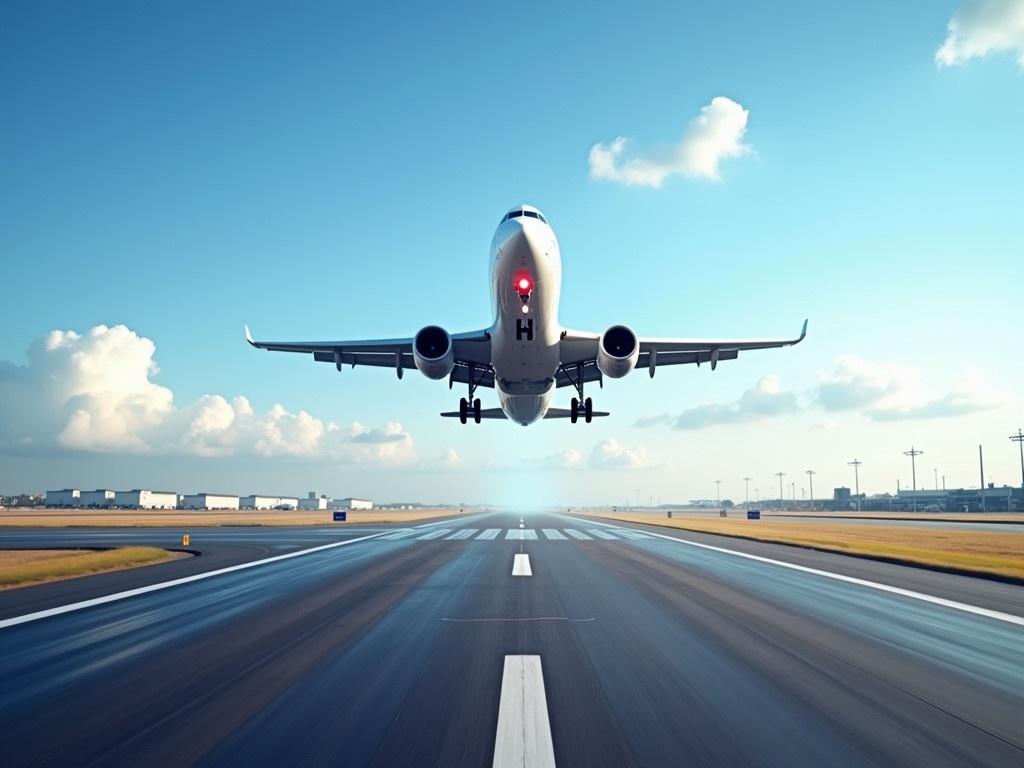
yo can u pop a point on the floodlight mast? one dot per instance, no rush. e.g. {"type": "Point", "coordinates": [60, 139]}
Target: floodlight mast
{"type": "Point", "coordinates": [746, 491]}
{"type": "Point", "coordinates": [1019, 440]}
{"type": "Point", "coordinates": [856, 479]}
{"type": "Point", "coordinates": [782, 496]}
{"type": "Point", "coordinates": [913, 453]}
{"type": "Point", "coordinates": [810, 476]}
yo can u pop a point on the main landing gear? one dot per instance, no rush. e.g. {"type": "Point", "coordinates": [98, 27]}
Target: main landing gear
{"type": "Point", "coordinates": [471, 406]}
{"type": "Point", "coordinates": [579, 406]}
{"type": "Point", "coordinates": [465, 406]}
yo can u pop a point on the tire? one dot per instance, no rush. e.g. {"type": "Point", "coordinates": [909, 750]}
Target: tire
{"type": "Point", "coordinates": [574, 410]}
{"type": "Point", "coordinates": [463, 409]}
{"type": "Point", "coordinates": [476, 410]}
{"type": "Point", "coordinates": [588, 410]}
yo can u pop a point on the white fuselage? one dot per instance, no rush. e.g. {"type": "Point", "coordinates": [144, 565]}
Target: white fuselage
{"type": "Point", "coordinates": [525, 344]}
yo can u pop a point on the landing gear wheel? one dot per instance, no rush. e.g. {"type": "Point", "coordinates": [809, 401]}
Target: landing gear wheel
{"type": "Point", "coordinates": [574, 410]}
{"type": "Point", "coordinates": [476, 410]}
{"type": "Point", "coordinates": [463, 409]}
{"type": "Point", "coordinates": [588, 410]}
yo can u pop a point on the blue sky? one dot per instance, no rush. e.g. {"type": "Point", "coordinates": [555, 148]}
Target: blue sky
{"type": "Point", "coordinates": [338, 172]}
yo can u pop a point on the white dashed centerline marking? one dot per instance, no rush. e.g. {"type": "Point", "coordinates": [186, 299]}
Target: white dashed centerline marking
{"type": "Point", "coordinates": [523, 739]}
{"type": "Point", "coordinates": [521, 566]}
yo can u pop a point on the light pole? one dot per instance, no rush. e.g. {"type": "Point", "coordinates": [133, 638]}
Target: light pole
{"type": "Point", "coordinates": [856, 479]}
{"type": "Point", "coordinates": [936, 471]}
{"type": "Point", "coordinates": [718, 492]}
{"type": "Point", "coordinates": [746, 489]}
{"type": "Point", "coordinates": [810, 478]}
{"type": "Point", "coordinates": [1019, 440]}
{"type": "Point", "coordinates": [782, 498]}
{"type": "Point", "coordinates": [913, 453]}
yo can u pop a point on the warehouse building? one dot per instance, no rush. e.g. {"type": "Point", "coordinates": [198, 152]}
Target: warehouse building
{"type": "Point", "coordinates": [268, 502]}
{"type": "Point", "coordinates": [144, 499]}
{"type": "Point", "coordinates": [209, 501]}
{"type": "Point", "coordinates": [350, 503]}
{"type": "Point", "coordinates": [66, 497]}
{"type": "Point", "coordinates": [99, 498]}
{"type": "Point", "coordinates": [313, 502]}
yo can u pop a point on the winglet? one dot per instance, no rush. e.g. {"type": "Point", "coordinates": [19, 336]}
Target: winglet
{"type": "Point", "coordinates": [803, 332]}
{"type": "Point", "coordinates": [248, 336]}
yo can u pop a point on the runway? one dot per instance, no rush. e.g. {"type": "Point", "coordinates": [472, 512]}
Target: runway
{"type": "Point", "coordinates": [606, 645]}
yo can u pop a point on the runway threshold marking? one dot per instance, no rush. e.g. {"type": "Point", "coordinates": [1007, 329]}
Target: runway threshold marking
{"type": "Point", "coordinates": [600, 534]}
{"type": "Point", "coordinates": [116, 596]}
{"type": "Point", "coordinates": [490, 533]}
{"type": "Point", "coordinates": [521, 566]}
{"type": "Point", "coordinates": [462, 533]}
{"type": "Point", "coordinates": [523, 738]}
{"type": "Point", "coordinates": [580, 535]}
{"type": "Point", "coordinates": [977, 610]}
{"type": "Point", "coordinates": [435, 534]}
{"type": "Point", "coordinates": [554, 533]}
{"type": "Point", "coordinates": [520, 535]}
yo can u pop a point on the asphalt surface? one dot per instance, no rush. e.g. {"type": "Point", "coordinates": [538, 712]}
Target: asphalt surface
{"type": "Point", "coordinates": [389, 651]}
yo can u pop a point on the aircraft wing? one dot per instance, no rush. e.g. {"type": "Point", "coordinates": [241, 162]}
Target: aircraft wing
{"type": "Point", "coordinates": [580, 349]}
{"type": "Point", "coordinates": [473, 348]}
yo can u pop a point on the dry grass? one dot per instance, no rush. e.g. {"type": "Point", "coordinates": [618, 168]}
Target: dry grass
{"type": "Point", "coordinates": [62, 518]}
{"type": "Point", "coordinates": [982, 552]}
{"type": "Point", "coordinates": [20, 568]}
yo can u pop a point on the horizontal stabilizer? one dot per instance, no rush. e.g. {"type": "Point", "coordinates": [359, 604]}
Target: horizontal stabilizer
{"type": "Point", "coordinates": [486, 413]}
{"type": "Point", "coordinates": [565, 413]}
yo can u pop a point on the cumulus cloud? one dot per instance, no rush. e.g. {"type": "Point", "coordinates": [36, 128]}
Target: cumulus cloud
{"type": "Point", "coordinates": [981, 27]}
{"type": "Point", "coordinates": [610, 454]}
{"type": "Point", "coordinates": [887, 392]}
{"type": "Point", "coordinates": [714, 135]}
{"type": "Point", "coordinates": [94, 392]}
{"type": "Point", "coordinates": [764, 400]}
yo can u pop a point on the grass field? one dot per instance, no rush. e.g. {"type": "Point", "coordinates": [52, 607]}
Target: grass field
{"type": "Point", "coordinates": [20, 568]}
{"type": "Point", "coordinates": [62, 518]}
{"type": "Point", "coordinates": [981, 552]}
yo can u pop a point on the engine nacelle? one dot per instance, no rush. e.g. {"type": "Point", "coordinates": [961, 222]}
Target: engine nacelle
{"type": "Point", "coordinates": [618, 349]}
{"type": "Point", "coordinates": [433, 352]}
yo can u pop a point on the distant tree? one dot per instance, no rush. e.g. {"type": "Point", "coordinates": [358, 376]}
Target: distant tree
{"type": "Point", "coordinates": [728, 503]}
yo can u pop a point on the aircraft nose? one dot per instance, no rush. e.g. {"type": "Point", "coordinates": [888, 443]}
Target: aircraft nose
{"type": "Point", "coordinates": [519, 238]}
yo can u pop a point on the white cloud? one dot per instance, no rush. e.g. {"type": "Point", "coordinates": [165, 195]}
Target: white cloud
{"type": "Point", "coordinates": [981, 27]}
{"type": "Point", "coordinates": [764, 400]}
{"type": "Point", "coordinates": [610, 454]}
{"type": "Point", "coordinates": [712, 136]}
{"type": "Point", "coordinates": [94, 392]}
{"type": "Point", "coordinates": [888, 392]}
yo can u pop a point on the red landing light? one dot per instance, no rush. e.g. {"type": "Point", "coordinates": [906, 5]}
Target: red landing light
{"type": "Point", "coordinates": [524, 285]}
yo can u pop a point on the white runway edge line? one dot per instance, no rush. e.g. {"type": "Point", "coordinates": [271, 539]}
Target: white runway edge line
{"type": "Point", "coordinates": [1009, 618]}
{"type": "Point", "coordinates": [523, 739]}
{"type": "Point", "coordinates": [70, 607]}
{"type": "Point", "coordinates": [521, 566]}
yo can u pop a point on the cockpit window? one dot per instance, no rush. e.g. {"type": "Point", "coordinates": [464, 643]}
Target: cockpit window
{"type": "Point", "coordinates": [517, 214]}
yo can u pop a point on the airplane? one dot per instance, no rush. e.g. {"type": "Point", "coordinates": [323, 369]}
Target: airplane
{"type": "Point", "coordinates": [525, 354]}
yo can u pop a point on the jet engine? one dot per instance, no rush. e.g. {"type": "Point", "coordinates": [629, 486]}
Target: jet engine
{"type": "Point", "coordinates": [433, 352]}
{"type": "Point", "coordinates": [617, 351]}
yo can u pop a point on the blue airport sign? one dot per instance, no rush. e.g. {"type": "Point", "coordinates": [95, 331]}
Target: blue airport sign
{"type": "Point", "coordinates": [753, 514]}
{"type": "Point", "coordinates": [340, 517]}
